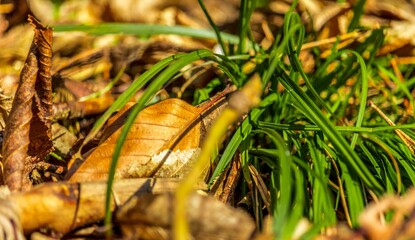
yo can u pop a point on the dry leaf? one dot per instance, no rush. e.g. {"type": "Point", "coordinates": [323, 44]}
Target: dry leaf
{"type": "Point", "coordinates": [397, 9]}
{"type": "Point", "coordinates": [68, 11]}
{"type": "Point", "coordinates": [224, 187]}
{"type": "Point", "coordinates": [62, 207]}
{"type": "Point", "coordinates": [10, 225]}
{"type": "Point", "coordinates": [163, 142]}
{"type": "Point", "coordinates": [150, 216]}
{"type": "Point", "coordinates": [261, 186]}
{"type": "Point", "coordinates": [401, 226]}
{"type": "Point", "coordinates": [340, 232]}
{"type": "Point", "coordinates": [27, 137]}
{"type": "Point", "coordinates": [69, 91]}
{"type": "Point", "coordinates": [63, 139]}
{"type": "Point", "coordinates": [77, 109]}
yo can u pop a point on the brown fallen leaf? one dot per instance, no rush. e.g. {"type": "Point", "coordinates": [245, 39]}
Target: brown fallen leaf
{"type": "Point", "coordinates": [62, 207]}
{"type": "Point", "coordinates": [163, 142]}
{"type": "Point", "coordinates": [27, 137]}
{"type": "Point", "coordinates": [70, 90]}
{"type": "Point", "coordinates": [401, 226]}
{"type": "Point", "coordinates": [150, 217]}
{"type": "Point", "coordinates": [144, 206]}
{"type": "Point", "coordinates": [391, 10]}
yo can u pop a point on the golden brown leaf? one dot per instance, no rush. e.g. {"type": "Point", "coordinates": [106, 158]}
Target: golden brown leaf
{"type": "Point", "coordinates": [163, 142]}
{"type": "Point", "coordinates": [27, 137]}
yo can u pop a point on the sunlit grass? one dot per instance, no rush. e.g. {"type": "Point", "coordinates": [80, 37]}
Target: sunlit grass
{"type": "Point", "coordinates": [320, 156]}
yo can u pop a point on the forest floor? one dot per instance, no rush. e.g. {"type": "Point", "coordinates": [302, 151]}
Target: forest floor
{"type": "Point", "coordinates": [290, 119]}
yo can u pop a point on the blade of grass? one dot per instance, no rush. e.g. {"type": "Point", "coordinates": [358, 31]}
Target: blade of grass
{"type": "Point", "coordinates": [363, 93]}
{"type": "Point", "coordinates": [282, 189]}
{"type": "Point", "coordinates": [358, 11]}
{"type": "Point", "coordinates": [240, 134]}
{"type": "Point", "coordinates": [396, 174]}
{"type": "Point", "coordinates": [106, 88]}
{"type": "Point", "coordinates": [354, 192]}
{"type": "Point", "coordinates": [155, 85]}
{"type": "Point", "coordinates": [129, 93]}
{"type": "Point", "coordinates": [246, 9]}
{"type": "Point", "coordinates": [213, 25]}
{"type": "Point", "coordinates": [290, 20]}
{"type": "Point", "coordinates": [144, 30]}
{"type": "Point", "coordinates": [244, 147]}
{"type": "Point", "coordinates": [327, 127]}
{"type": "Point", "coordinates": [369, 154]}
{"type": "Point", "coordinates": [299, 203]}
{"type": "Point", "coordinates": [351, 129]}
{"type": "Point", "coordinates": [323, 209]}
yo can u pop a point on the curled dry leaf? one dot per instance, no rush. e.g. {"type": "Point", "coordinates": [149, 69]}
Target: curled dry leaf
{"type": "Point", "coordinates": [150, 217]}
{"type": "Point", "coordinates": [402, 224]}
{"type": "Point", "coordinates": [62, 207]}
{"type": "Point", "coordinates": [27, 137]}
{"type": "Point", "coordinates": [163, 142]}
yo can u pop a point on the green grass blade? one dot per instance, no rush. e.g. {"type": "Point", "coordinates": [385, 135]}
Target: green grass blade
{"type": "Point", "coordinates": [240, 134]}
{"type": "Point", "coordinates": [363, 93]}
{"type": "Point", "coordinates": [299, 203]}
{"type": "Point", "coordinates": [129, 93]}
{"type": "Point", "coordinates": [323, 208]}
{"type": "Point", "coordinates": [283, 190]}
{"type": "Point", "coordinates": [246, 9]}
{"type": "Point", "coordinates": [213, 25]}
{"type": "Point", "coordinates": [108, 87]}
{"type": "Point", "coordinates": [145, 30]}
{"type": "Point", "coordinates": [354, 191]}
{"type": "Point", "coordinates": [350, 129]}
{"type": "Point", "coordinates": [156, 84]}
{"type": "Point", "coordinates": [392, 174]}
{"type": "Point", "coordinates": [358, 11]}
{"type": "Point", "coordinates": [327, 127]}
{"type": "Point", "coordinates": [292, 51]}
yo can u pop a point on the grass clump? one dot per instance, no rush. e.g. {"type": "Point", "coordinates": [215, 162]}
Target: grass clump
{"type": "Point", "coordinates": [322, 153]}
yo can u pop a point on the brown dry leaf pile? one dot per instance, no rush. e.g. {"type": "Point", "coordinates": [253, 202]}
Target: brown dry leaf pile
{"type": "Point", "coordinates": [53, 109]}
{"type": "Point", "coordinates": [163, 143]}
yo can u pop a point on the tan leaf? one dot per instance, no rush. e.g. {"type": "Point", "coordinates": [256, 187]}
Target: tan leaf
{"type": "Point", "coordinates": [62, 207]}
{"type": "Point", "coordinates": [150, 217]}
{"type": "Point", "coordinates": [163, 142]}
{"type": "Point", "coordinates": [27, 137]}
{"type": "Point", "coordinates": [391, 10]}
{"type": "Point", "coordinates": [400, 226]}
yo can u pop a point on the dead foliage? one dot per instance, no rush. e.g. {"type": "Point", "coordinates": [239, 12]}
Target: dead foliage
{"type": "Point", "coordinates": [27, 137]}
{"type": "Point", "coordinates": [48, 104]}
{"type": "Point", "coordinates": [169, 134]}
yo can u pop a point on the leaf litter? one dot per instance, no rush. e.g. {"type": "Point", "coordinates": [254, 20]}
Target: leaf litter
{"type": "Point", "coordinates": [330, 20]}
